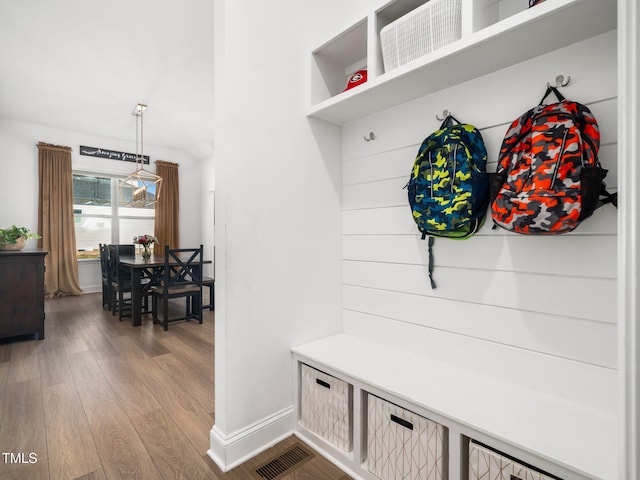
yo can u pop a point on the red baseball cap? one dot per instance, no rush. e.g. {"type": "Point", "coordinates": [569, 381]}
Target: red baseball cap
{"type": "Point", "coordinates": [356, 79]}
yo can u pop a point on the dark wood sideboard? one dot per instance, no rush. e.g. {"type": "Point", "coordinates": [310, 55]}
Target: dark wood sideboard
{"type": "Point", "coordinates": [22, 293]}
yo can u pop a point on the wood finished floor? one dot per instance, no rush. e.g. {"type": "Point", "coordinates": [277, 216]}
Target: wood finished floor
{"type": "Point", "coordinates": [100, 399]}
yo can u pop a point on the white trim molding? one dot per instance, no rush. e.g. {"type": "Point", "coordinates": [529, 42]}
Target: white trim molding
{"type": "Point", "coordinates": [230, 450]}
{"type": "Point", "coordinates": [628, 236]}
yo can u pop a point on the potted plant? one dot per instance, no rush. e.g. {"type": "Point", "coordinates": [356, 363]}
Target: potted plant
{"type": "Point", "coordinates": [15, 238]}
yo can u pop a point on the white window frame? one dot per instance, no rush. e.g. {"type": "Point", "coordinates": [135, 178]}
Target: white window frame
{"type": "Point", "coordinates": [115, 217]}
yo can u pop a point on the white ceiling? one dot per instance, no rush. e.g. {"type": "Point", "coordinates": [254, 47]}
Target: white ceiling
{"type": "Point", "coordinates": [83, 65]}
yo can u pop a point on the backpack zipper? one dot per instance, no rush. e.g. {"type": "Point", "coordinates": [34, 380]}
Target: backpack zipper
{"type": "Point", "coordinates": [476, 227]}
{"type": "Point", "coordinates": [431, 174]}
{"type": "Point", "coordinates": [587, 139]}
{"type": "Point", "coordinates": [555, 169]}
{"type": "Point", "coordinates": [453, 177]}
{"type": "Point", "coordinates": [473, 229]}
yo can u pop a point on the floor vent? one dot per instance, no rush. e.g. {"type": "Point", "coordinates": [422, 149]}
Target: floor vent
{"type": "Point", "coordinates": [282, 465]}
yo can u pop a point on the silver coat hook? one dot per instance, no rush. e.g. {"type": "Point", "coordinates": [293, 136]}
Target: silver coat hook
{"type": "Point", "coordinates": [372, 136]}
{"type": "Point", "coordinates": [445, 114]}
{"type": "Point", "coordinates": [560, 81]}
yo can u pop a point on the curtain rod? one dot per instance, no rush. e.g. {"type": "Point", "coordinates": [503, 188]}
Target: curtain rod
{"type": "Point", "coordinates": [50, 146]}
{"type": "Point", "coordinates": [165, 163]}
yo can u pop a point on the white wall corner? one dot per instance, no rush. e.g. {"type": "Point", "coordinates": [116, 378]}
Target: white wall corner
{"type": "Point", "coordinates": [230, 450]}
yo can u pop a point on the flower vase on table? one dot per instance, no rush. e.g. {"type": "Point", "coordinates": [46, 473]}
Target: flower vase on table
{"type": "Point", "coordinates": [146, 241]}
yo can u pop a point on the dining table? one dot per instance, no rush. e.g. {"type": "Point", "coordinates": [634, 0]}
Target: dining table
{"type": "Point", "coordinates": [151, 269]}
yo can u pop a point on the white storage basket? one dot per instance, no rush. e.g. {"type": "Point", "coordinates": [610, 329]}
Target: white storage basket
{"type": "Point", "coordinates": [427, 28]}
{"type": "Point", "coordinates": [485, 463]}
{"type": "Point", "coordinates": [402, 445]}
{"type": "Point", "coordinates": [326, 407]}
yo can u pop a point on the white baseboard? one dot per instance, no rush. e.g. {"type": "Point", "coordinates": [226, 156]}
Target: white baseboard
{"type": "Point", "coordinates": [91, 288]}
{"type": "Point", "coordinates": [345, 464]}
{"type": "Point", "coordinates": [230, 450]}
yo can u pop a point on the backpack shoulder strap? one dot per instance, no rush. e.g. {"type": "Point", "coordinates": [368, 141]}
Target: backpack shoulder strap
{"type": "Point", "coordinates": [608, 196]}
{"type": "Point", "coordinates": [430, 243]}
{"type": "Point", "coordinates": [551, 89]}
{"type": "Point", "coordinates": [449, 122]}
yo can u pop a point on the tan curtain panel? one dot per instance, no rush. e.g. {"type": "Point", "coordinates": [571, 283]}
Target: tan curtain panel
{"type": "Point", "coordinates": [167, 207]}
{"type": "Point", "coordinates": [55, 220]}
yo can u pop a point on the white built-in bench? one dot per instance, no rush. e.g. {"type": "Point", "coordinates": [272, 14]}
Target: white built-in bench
{"type": "Point", "coordinates": [565, 436]}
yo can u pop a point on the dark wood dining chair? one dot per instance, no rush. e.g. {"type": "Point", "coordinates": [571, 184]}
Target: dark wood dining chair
{"type": "Point", "coordinates": [209, 282]}
{"type": "Point", "coordinates": [182, 277]}
{"type": "Point", "coordinates": [106, 278]}
{"type": "Point", "coordinates": [128, 249]}
{"type": "Point", "coordinates": [120, 278]}
{"type": "Point", "coordinates": [120, 284]}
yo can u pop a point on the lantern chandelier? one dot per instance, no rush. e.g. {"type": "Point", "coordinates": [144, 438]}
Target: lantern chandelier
{"type": "Point", "coordinates": [142, 188]}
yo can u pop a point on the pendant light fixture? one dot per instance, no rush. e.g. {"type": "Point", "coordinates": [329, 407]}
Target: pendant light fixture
{"type": "Point", "coordinates": [142, 188]}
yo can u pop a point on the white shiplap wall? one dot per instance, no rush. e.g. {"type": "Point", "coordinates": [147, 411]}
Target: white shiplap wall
{"type": "Point", "coordinates": [545, 302]}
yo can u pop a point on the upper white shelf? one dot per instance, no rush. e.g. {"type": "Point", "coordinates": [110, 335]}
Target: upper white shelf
{"type": "Point", "coordinates": [524, 35]}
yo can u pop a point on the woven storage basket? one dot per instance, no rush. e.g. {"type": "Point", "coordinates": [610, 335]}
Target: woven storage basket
{"type": "Point", "coordinates": [485, 463]}
{"type": "Point", "coordinates": [427, 28]}
{"type": "Point", "coordinates": [326, 407]}
{"type": "Point", "coordinates": [21, 242]}
{"type": "Point", "coordinates": [402, 445]}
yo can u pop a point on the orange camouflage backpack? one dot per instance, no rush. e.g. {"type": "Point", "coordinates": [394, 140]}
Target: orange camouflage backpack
{"type": "Point", "coordinates": [548, 177]}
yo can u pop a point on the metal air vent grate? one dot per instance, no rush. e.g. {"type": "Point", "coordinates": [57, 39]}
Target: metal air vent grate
{"type": "Point", "coordinates": [284, 463]}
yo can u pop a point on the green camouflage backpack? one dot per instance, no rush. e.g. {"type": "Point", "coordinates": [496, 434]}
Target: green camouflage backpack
{"type": "Point", "coordinates": [448, 187]}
